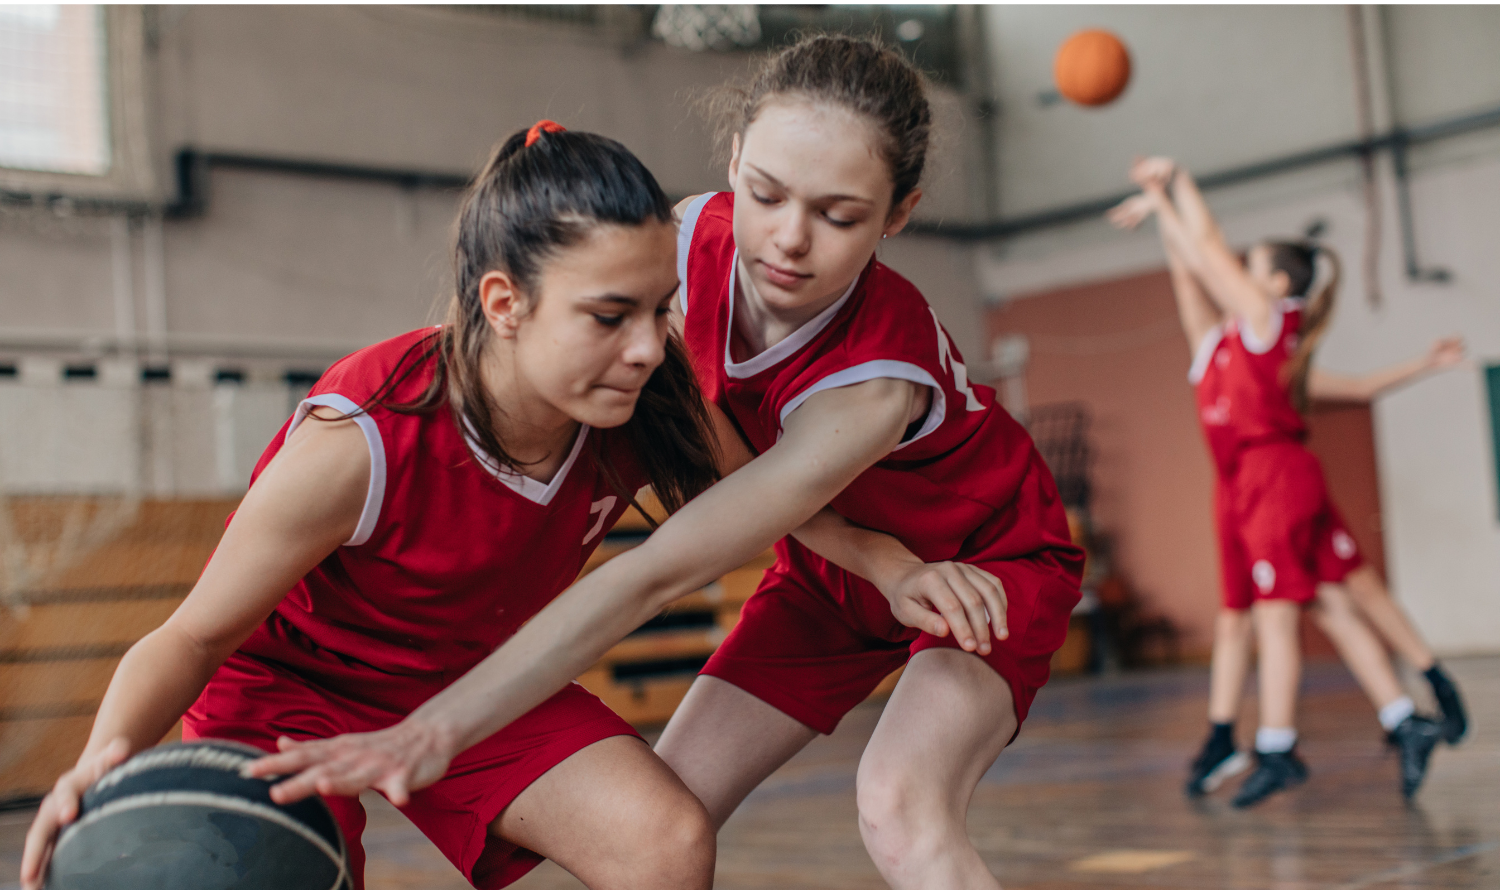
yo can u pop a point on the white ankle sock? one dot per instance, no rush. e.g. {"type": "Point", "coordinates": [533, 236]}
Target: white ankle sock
{"type": "Point", "coordinates": [1269, 740]}
{"type": "Point", "coordinates": [1392, 714]}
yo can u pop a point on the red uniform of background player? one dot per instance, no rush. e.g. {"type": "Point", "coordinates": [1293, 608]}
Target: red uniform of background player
{"type": "Point", "coordinates": [1279, 533]}
{"type": "Point", "coordinates": [965, 484]}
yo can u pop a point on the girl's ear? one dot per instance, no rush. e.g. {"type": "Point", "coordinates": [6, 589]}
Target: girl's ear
{"type": "Point", "coordinates": [503, 303]}
{"type": "Point", "coordinates": [901, 213]}
{"type": "Point", "coordinates": [734, 161]}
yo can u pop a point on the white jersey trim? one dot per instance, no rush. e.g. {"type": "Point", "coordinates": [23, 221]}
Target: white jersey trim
{"type": "Point", "coordinates": [522, 484]}
{"type": "Point", "coordinates": [786, 348]}
{"type": "Point", "coordinates": [875, 370]}
{"type": "Point", "coordinates": [1253, 343]}
{"type": "Point", "coordinates": [1205, 353]}
{"type": "Point", "coordinates": [375, 496]}
{"type": "Point", "coordinates": [685, 244]}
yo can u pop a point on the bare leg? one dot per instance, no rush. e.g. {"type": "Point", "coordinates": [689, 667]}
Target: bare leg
{"type": "Point", "coordinates": [1231, 661]}
{"type": "Point", "coordinates": [1280, 661]}
{"type": "Point", "coordinates": [723, 742]}
{"type": "Point", "coordinates": [1357, 645]}
{"type": "Point", "coordinates": [1369, 593]}
{"type": "Point", "coordinates": [616, 817]}
{"type": "Point", "coordinates": [945, 724]}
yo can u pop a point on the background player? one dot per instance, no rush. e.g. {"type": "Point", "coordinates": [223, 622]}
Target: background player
{"type": "Point", "coordinates": [840, 377]}
{"type": "Point", "coordinates": [1254, 328]}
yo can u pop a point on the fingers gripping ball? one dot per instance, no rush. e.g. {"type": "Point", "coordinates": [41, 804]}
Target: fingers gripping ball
{"type": "Point", "coordinates": [1092, 67]}
{"type": "Point", "coordinates": [181, 817]}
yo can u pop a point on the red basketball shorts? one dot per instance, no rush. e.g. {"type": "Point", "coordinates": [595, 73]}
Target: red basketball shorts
{"type": "Point", "coordinates": [309, 693]}
{"type": "Point", "coordinates": [1279, 534]}
{"type": "Point", "coordinates": [814, 640]}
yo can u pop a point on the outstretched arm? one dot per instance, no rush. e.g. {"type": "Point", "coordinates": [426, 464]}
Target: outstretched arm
{"type": "Point", "coordinates": [1329, 387]}
{"type": "Point", "coordinates": [1214, 264]}
{"type": "Point", "coordinates": [940, 597]}
{"type": "Point", "coordinates": [1195, 310]}
{"type": "Point", "coordinates": [826, 443]}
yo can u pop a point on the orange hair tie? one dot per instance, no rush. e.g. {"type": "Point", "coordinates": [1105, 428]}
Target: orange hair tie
{"type": "Point", "coordinates": [535, 133]}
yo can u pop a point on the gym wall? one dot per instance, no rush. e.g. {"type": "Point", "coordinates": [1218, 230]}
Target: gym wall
{"type": "Point", "coordinates": [1219, 87]}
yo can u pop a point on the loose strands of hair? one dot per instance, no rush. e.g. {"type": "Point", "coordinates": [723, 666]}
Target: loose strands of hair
{"type": "Point", "coordinates": [860, 74]}
{"type": "Point", "coordinates": [529, 203]}
{"type": "Point", "coordinates": [1298, 260]}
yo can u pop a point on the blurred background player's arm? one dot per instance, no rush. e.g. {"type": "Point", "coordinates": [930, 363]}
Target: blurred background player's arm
{"type": "Point", "coordinates": [1326, 386]}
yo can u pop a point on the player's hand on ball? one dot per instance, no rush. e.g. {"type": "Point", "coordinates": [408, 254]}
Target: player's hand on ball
{"type": "Point", "coordinates": [944, 597]}
{"type": "Point", "coordinates": [60, 807]}
{"type": "Point", "coordinates": [395, 761]}
{"type": "Point", "coordinates": [1131, 212]}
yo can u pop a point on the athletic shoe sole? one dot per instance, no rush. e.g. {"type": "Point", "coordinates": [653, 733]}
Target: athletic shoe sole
{"type": "Point", "coordinates": [1231, 766]}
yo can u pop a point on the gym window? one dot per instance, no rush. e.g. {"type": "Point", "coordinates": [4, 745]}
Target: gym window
{"type": "Point", "coordinates": [54, 98]}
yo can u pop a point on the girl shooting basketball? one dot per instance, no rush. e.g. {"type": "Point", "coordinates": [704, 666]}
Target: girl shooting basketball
{"type": "Point", "coordinates": [1254, 328]}
{"type": "Point", "coordinates": [433, 493]}
{"type": "Point", "coordinates": [848, 391]}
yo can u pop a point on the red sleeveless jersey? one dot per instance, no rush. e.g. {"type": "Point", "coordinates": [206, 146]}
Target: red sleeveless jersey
{"type": "Point", "coordinates": [451, 555]}
{"type": "Point", "coordinates": [965, 462]}
{"type": "Point", "coordinates": [1242, 399]}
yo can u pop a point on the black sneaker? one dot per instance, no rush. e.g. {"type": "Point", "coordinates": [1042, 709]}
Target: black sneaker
{"type": "Point", "coordinates": [1415, 739]}
{"type": "Point", "coordinates": [1273, 773]}
{"type": "Point", "coordinates": [1455, 722]}
{"type": "Point", "coordinates": [1217, 762]}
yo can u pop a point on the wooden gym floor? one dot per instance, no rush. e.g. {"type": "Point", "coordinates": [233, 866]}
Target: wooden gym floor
{"type": "Point", "coordinates": [1090, 796]}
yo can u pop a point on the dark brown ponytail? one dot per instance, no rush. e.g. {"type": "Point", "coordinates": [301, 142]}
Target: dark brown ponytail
{"type": "Point", "coordinates": [1298, 260]}
{"type": "Point", "coordinates": [541, 192]}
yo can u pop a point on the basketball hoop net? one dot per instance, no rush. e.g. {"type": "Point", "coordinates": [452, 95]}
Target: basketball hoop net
{"type": "Point", "coordinates": [707, 27]}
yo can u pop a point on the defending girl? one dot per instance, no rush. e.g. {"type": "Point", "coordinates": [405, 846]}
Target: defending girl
{"type": "Point", "coordinates": [838, 374]}
{"type": "Point", "coordinates": [1254, 328]}
{"type": "Point", "coordinates": [433, 493]}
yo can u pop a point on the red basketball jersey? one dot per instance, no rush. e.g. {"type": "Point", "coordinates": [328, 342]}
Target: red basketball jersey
{"type": "Point", "coordinates": [965, 462]}
{"type": "Point", "coordinates": [1242, 398]}
{"type": "Point", "coordinates": [452, 554]}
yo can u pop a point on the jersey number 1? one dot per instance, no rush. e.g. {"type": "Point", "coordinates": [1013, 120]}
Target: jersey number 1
{"type": "Point", "coordinates": [960, 373]}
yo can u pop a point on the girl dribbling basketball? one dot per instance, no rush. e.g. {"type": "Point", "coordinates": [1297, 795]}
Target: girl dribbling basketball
{"type": "Point", "coordinates": [848, 390]}
{"type": "Point", "coordinates": [433, 493]}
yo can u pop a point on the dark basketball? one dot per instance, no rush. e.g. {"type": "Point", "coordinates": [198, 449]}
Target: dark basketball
{"type": "Point", "coordinates": [181, 817]}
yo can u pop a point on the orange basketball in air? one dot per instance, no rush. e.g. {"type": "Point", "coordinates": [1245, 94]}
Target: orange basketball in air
{"type": "Point", "coordinates": [1092, 67]}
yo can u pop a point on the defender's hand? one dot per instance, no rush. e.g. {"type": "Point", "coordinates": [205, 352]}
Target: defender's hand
{"type": "Point", "coordinates": [395, 761]}
{"type": "Point", "coordinates": [941, 597]}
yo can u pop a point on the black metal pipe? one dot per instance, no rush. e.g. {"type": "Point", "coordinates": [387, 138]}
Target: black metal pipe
{"type": "Point", "coordinates": [1395, 141]}
{"type": "Point", "coordinates": [192, 169]}
{"type": "Point", "coordinates": [193, 165]}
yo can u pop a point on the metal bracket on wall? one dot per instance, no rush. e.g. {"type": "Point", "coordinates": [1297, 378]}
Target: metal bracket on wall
{"type": "Point", "coordinates": [192, 168]}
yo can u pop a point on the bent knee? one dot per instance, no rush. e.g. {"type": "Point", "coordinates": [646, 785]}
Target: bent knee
{"type": "Point", "coordinates": [900, 822]}
{"type": "Point", "coordinates": [675, 849]}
